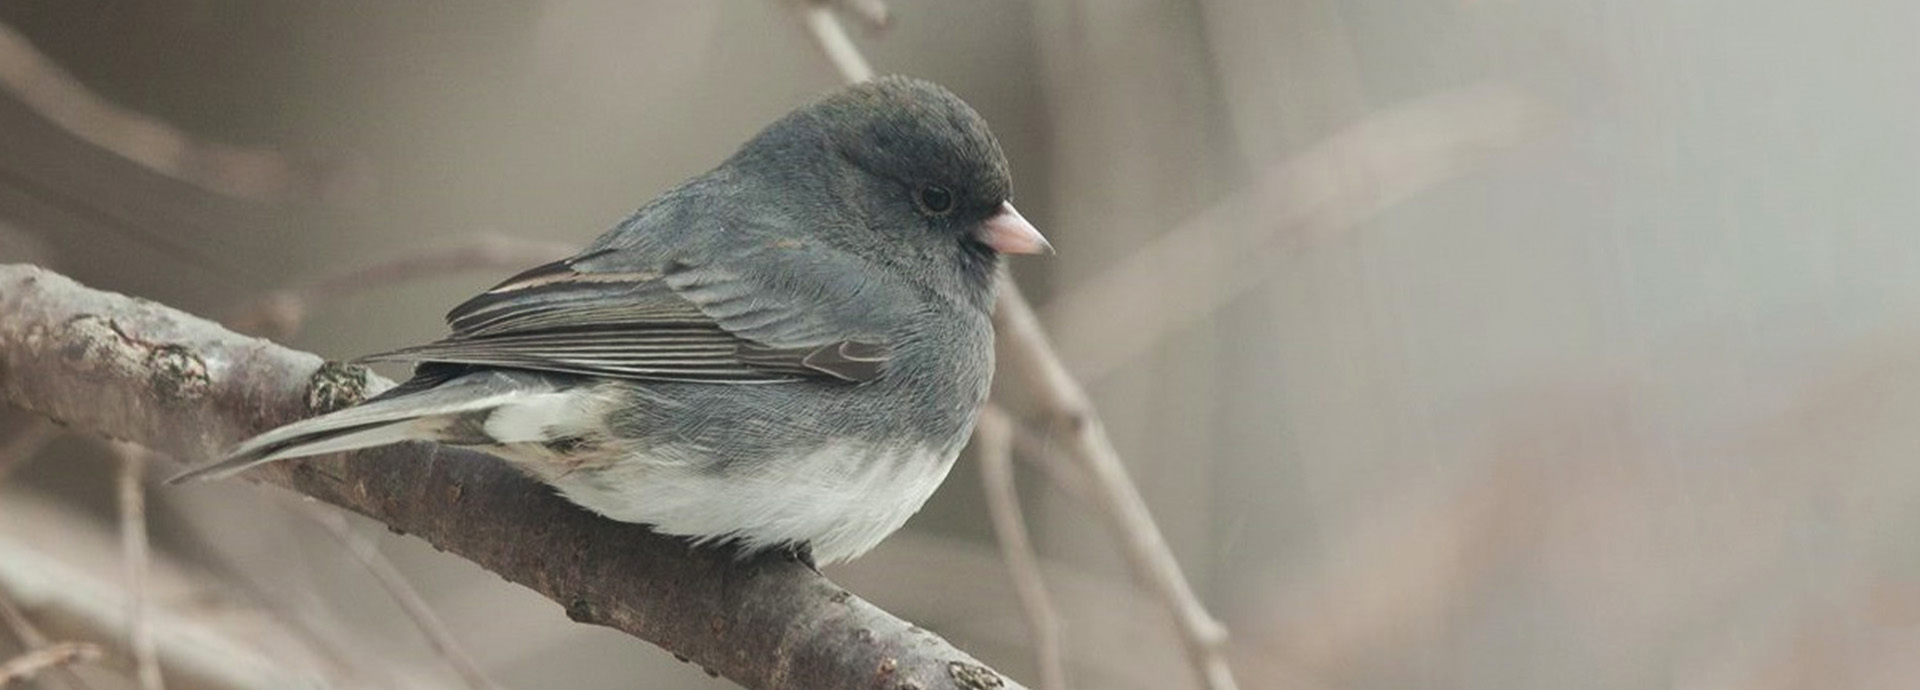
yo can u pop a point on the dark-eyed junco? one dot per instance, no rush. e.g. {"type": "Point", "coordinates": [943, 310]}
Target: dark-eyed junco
{"type": "Point", "coordinates": [787, 351]}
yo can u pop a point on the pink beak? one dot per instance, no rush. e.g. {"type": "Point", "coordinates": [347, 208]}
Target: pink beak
{"type": "Point", "coordinates": [1009, 233]}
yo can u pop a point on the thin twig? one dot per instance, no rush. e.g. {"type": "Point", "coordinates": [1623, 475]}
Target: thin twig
{"type": "Point", "coordinates": [832, 40]}
{"type": "Point", "coordinates": [50, 562]}
{"type": "Point", "coordinates": [41, 85]}
{"type": "Point", "coordinates": [1189, 272]}
{"type": "Point", "coordinates": [30, 637]}
{"type": "Point", "coordinates": [134, 554]}
{"type": "Point", "coordinates": [281, 313]}
{"type": "Point", "coordinates": [483, 252]}
{"type": "Point", "coordinates": [873, 13]}
{"type": "Point", "coordinates": [994, 439]}
{"type": "Point", "coordinates": [1086, 440]}
{"type": "Point", "coordinates": [367, 554]}
{"type": "Point", "coordinates": [1041, 452]}
{"type": "Point", "coordinates": [17, 623]}
{"type": "Point", "coordinates": [46, 658]}
{"type": "Point", "coordinates": [26, 443]}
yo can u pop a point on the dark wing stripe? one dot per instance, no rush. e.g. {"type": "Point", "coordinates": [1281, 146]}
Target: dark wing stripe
{"type": "Point", "coordinates": [582, 308]}
{"type": "Point", "coordinates": [687, 374]}
{"type": "Point", "coordinates": [726, 349]}
{"type": "Point", "coordinates": [564, 346]}
{"type": "Point", "coordinates": [467, 349]}
{"type": "Point", "coordinates": [636, 325]}
{"type": "Point", "coordinates": [631, 352]}
{"type": "Point", "coordinates": [622, 337]}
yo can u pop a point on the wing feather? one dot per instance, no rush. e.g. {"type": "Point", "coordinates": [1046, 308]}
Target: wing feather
{"type": "Point", "coordinates": [566, 317]}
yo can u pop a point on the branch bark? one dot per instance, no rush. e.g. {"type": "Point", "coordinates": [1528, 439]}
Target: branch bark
{"type": "Point", "coordinates": [138, 371]}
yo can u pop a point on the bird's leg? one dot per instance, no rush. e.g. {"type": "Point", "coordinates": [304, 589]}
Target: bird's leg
{"type": "Point", "coordinates": [802, 552]}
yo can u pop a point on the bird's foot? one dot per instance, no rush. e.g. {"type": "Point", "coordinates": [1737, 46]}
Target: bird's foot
{"type": "Point", "coordinates": [803, 554]}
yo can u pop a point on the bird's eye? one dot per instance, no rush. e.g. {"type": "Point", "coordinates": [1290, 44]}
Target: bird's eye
{"type": "Point", "coordinates": [935, 199]}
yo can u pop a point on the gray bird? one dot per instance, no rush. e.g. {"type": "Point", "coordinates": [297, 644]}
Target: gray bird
{"type": "Point", "coordinates": [787, 351]}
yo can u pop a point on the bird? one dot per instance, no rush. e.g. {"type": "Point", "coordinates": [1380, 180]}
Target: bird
{"type": "Point", "coordinates": [788, 351]}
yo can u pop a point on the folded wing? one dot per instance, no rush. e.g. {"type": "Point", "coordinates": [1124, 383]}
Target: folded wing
{"type": "Point", "coordinates": [591, 316]}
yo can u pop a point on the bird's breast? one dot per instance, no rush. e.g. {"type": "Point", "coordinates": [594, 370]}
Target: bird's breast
{"type": "Point", "coordinates": [843, 497]}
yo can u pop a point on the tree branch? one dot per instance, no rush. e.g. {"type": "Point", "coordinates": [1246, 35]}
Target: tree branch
{"type": "Point", "coordinates": [132, 494]}
{"type": "Point", "coordinates": [135, 370]}
{"type": "Point", "coordinates": [31, 638]}
{"type": "Point", "coordinates": [994, 438]}
{"type": "Point", "coordinates": [236, 171]}
{"type": "Point", "coordinates": [1026, 351]}
{"type": "Point", "coordinates": [832, 40]}
{"type": "Point", "coordinates": [54, 656]}
{"type": "Point", "coordinates": [389, 577]}
{"type": "Point", "coordinates": [1075, 424]}
{"type": "Point", "coordinates": [280, 313]}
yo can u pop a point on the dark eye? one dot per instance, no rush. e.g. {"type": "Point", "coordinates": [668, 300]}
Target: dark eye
{"type": "Point", "coordinates": [935, 199]}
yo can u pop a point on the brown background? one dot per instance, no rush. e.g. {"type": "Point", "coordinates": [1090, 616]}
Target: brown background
{"type": "Point", "coordinates": [1583, 364]}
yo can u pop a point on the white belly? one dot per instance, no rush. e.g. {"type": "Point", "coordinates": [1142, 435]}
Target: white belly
{"type": "Point", "coordinates": [842, 500]}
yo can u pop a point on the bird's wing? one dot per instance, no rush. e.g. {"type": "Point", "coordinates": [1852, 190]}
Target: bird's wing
{"type": "Point", "coordinates": [791, 317]}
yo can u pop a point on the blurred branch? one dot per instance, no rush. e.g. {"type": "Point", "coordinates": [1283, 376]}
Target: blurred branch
{"type": "Point", "coordinates": [31, 638]}
{"type": "Point", "coordinates": [62, 567]}
{"type": "Point", "coordinates": [54, 656]}
{"type": "Point", "coordinates": [873, 13]}
{"type": "Point", "coordinates": [1074, 418]}
{"type": "Point", "coordinates": [364, 552]}
{"type": "Point", "coordinates": [1186, 274]}
{"type": "Point", "coordinates": [832, 40]}
{"type": "Point", "coordinates": [136, 370]}
{"type": "Point", "coordinates": [994, 439]}
{"type": "Point", "coordinates": [283, 312]}
{"type": "Point", "coordinates": [134, 562]}
{"type": "Point", "coordinates": [280, 313]}
{"type": "Point", "coordinates": [1084, 441]}
{"type": "Point", "coordinates": [247, 173]}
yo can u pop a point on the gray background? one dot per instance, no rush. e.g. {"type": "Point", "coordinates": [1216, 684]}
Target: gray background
{"type": "Point", "coordinates": [1585, 361]}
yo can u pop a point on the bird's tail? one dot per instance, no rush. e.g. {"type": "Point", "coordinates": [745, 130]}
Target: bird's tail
{"type": "Point", "coordinates": [412, 412]}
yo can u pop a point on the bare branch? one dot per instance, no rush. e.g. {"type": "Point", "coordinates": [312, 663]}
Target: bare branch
{"type": "Point", "coordinates": [833, 41]}
{"type": "Point", "coordinates": [54, 656]}
{"type": "Point", "coordinates": [872, 13]}
{"type": "Point", "coordinates": [180, 385]}
{"type": "Point", "coordinates": [134, 562]}
{"type": "Point", "coordinates": [364, 552]}
{"type": "Point", "coordinates": [282, 312]}
{"type": "Point", "coordinates": [30, 637]}
{"type": "Point", "coordinates": [63, 569]}
{"type": "Point", "coordinates": [1194, 269]}
{"type": "Point", "coordinates": [1086, 440]}
{"type": "Point", "coordinates": [993, 438]}
{"type": "Point", "coordinates": [235, 171]}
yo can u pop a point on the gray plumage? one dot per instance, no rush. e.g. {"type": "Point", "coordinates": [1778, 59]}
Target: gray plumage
{"type": "Point", "coordinates": [788, 350]}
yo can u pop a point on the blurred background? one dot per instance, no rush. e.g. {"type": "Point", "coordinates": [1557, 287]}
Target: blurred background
{"type": "Point", "coordinates": [1453, 344]}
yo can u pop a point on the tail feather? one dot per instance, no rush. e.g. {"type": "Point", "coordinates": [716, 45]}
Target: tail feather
{"type": "Point", "coordinates": [414, 414]}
